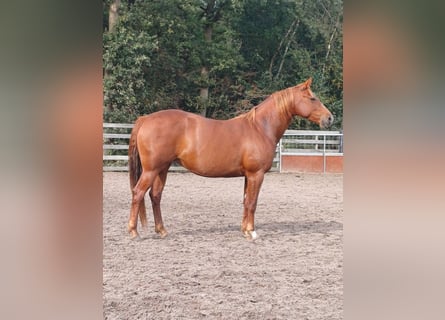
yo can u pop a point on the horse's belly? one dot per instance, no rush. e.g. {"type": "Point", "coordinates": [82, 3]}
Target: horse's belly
{"type": "Point", "coordinates": [209, 165]}
{"type": "Point", "coordinates": [212, 162]}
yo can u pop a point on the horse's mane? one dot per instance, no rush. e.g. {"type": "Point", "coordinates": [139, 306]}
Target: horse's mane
{"type": "Point", "coordinates": [249, 115]}
{"type": "Point", "coordinates": [282, 99]}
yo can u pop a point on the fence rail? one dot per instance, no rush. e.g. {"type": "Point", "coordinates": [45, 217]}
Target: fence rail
{"type": "Point", "coordinates": [293, 143]}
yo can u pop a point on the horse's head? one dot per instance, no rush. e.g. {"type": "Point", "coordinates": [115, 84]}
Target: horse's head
{"type": "Point", "coordinates": [308, 106]}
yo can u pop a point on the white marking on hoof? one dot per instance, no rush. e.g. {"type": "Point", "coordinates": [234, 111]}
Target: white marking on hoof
{"type": "Point", "coordinates": [253, 235]}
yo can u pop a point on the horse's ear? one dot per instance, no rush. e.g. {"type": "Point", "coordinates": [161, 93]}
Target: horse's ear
{"type": "Point", "coordinates": [307, 84]}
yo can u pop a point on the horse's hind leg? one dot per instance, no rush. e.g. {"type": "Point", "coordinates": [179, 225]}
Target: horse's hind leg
{"type": "Point", "coordinates": [143, 184]}
{"type": "Point", "coordinates": [155, 196]}
{"type": "Point", "coordinates": [143, 213]}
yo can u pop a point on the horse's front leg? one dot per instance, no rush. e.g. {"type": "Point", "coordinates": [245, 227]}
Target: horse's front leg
{"type": "Point", "coordinates": [252, 186]}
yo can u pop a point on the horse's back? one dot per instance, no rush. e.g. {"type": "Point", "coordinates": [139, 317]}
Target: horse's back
{"type": "Point", "coordinates": [162, 122]}
{"type": "Point", "coordinates": [171, 115]}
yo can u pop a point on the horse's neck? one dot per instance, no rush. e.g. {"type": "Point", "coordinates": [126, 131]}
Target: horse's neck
{"type": "Point", "coordinates": [272, 120]}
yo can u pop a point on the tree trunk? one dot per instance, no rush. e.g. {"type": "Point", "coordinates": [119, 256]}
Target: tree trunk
{"type": "Point", "coordinates": [113, 14]}
{"type": "Point", "coordinates": [204, 91]}
{"type": "Point", "coordinates": [331, 39]}
{"type": "Point", "coordinates": [285, 51]}
{"type": "Point", "coordinates": [272, 61]}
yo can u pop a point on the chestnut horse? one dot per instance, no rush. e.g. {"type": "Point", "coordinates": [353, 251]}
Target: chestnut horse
{"type": "Point", "coordinates": [242, 146]}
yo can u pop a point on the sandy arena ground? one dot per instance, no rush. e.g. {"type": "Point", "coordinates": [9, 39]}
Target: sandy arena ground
{"type": "Point", "coordinates": [206, 269]}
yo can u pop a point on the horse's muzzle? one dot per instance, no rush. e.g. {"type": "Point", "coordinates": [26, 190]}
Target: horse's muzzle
{"type": "Point", "coordinates": [327, 121]}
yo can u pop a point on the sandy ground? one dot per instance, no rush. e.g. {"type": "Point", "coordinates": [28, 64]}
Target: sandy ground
{"type": "Point", "coordinates": [206, 269]}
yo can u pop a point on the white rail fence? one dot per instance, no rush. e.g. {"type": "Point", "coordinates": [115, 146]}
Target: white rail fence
{"type": "Point", "coordinates": [293, 143]}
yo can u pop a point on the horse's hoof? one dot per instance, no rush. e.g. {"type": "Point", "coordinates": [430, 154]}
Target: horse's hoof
{"type": "Point", "coordinates": [163, 234]}
{"type": "Point", "coordinates": [135, 237]}
{"type": "Point", "coordinates": [251, 235]}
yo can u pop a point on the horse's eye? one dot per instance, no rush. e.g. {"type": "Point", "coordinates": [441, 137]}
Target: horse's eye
{"type": "Point", "coordinates": [313, 98]}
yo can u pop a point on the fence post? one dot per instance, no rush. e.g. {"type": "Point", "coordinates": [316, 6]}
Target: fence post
{"type": "Point", "coordinates": [324, 153]}
{"type": "Point", "coordinates": [341, 142]}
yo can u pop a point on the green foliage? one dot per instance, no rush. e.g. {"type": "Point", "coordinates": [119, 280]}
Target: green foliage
{"type": "Point", "coordinates": [154, 58]}
{"type": "Point", "coordinates": [127, 56]}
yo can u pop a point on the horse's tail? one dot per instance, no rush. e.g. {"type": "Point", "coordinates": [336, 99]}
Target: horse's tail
{"type": "Point", "coordinates": [135, 167]}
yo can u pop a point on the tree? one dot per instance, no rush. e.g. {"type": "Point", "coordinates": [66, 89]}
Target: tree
{"type": "Point", "coordinates": [285, 42]}
{"type": "Point", "coordinates": [162, 54]}
{"type": "Point", "coordinates": [128, 51]}
{"type": "Point", "coordinates": [218, 57]}
{"type": "Point", "coordinates": [211, 14]}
